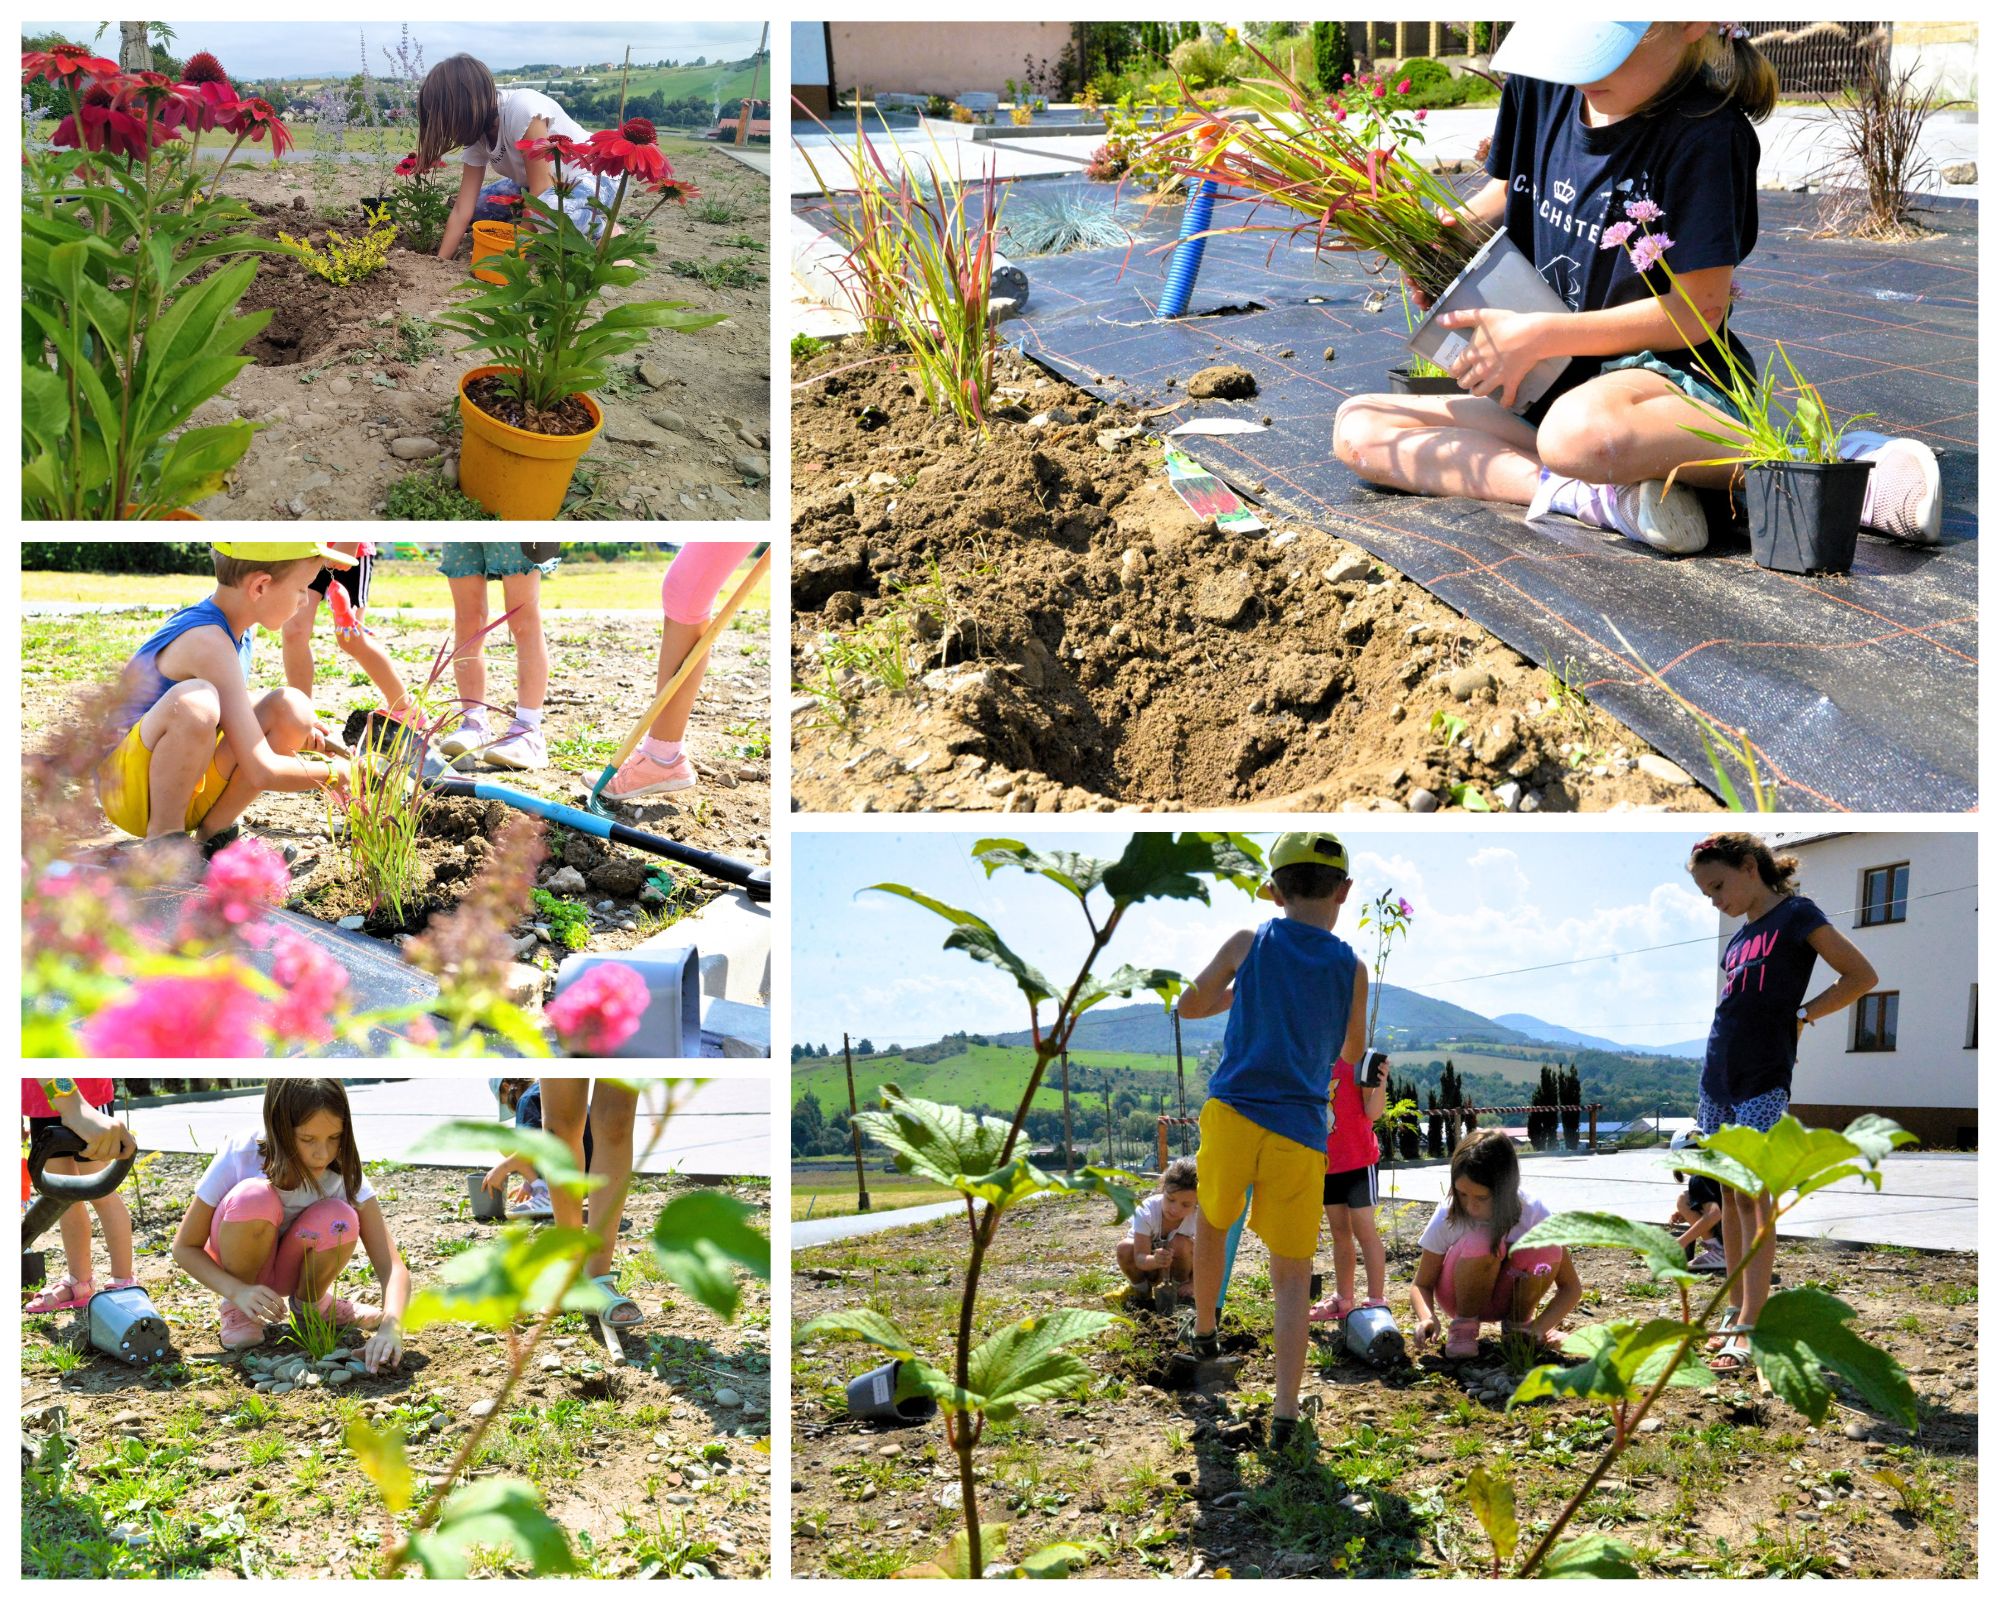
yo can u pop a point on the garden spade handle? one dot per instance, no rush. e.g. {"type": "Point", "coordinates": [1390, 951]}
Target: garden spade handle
{"type": "Point", "coordinates": [701, 648]}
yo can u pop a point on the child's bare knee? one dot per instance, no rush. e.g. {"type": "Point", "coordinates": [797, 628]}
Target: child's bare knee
{"type": "Point", "coordinates": [1581, 441]}
{"type": "Point", "coordinates": [197, 708]}
{"type": "Point", "coordinates": [1354, 428]}
{"type": "Point", "coordinates": [290, 708]}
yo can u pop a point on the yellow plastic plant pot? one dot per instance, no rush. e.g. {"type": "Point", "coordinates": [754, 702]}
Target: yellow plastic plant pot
{"type": "Point", "coordinates": [183, 515]}
{"type": "Point", "coordinates": [517, 475]}
{"type": "Point", "coordinates": [490, 239]}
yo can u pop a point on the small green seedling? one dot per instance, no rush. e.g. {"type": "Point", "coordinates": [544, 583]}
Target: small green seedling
{"type": "Point", "coordinates": [1446, 728]}
{"type": "Point", "coordinates": [805, 346]}
{"type": "Point", "coordinates": [567, 920]}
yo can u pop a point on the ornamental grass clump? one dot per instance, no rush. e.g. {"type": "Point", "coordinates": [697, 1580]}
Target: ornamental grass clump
{"type": "Point", "coordinates": [541, 323]}
{"type": "Point", "coordinates": [1344, 163]}
{"type": "Point", "coordinates": [123, 340]}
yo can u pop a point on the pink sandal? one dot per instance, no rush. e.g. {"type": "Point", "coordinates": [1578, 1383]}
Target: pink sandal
{"type": "Point", "coordinates": [1331, 1309]}
{"type": "Point", "coordinates": [66, 1294]}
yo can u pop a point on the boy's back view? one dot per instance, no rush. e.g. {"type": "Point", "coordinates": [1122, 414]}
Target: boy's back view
{"type": "Point", "coordinates": [1297, 997]}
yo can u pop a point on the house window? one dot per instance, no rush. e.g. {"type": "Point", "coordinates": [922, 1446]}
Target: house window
{"type": "Point", "coordinates": [1875, 1021]}
{"type": "Point", "coordinates": [1885, 894]}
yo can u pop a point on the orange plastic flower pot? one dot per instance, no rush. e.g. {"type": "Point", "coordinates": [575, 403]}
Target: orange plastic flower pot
{"type": "Point", "coordinates": [490, 239]}
{"type": "Point", "coordinates": [132, 515]}
{"type": "Point", "coordinates": [517, 475]}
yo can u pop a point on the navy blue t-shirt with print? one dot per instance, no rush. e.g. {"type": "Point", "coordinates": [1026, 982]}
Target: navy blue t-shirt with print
{"type": "Point", "coordinates": [1695, 158]}
{"type": "Point", "coordinates": [1766, 967]}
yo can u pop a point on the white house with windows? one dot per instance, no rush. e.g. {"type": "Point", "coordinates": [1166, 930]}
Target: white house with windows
{"type": "Point", "coordinates": [1910, 1049]}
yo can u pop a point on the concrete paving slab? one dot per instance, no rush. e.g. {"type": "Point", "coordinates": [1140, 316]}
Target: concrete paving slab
{"type": "Point", "coordinates": [724, 1130]}
{"type": "Point", "coordinates": [744, 1032]}
{"type": "Point", "coordinates": [755, 157]}
{"type": "Point", "coordinates": [733, 934]}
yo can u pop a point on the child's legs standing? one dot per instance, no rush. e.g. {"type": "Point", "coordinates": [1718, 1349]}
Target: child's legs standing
{"type": "Point", "coordinates": [1288, 1179]}
{"type": "Point", "coordinates": [1630, 426]}
{"type": "Point", "coordinates": [314, 1249]}
{"type": "Point", "coordinates": [286, 716]}
{"type": "Point", "coordinates": [1226, 1164]}
{"type": "Point", "coordinates": [1361, 1222]}
{"type": "Point", "coordinates": [358, 642]}
{"type": "Point", "coordinates": [522, 594]}
{"type": "Point", "coordinates": [687, 596]}
{"type": "Point", "coordinates": [1438, 445]}
{"type": "Point", "coordinates": [75, 1224]}
{"type": "Point", "coordinates": [298, 643]}
{"type": "Point", "coordinates": [612, 1112]}
{"type": "Point", "coordinates": [468, 646]}
{"type": "Point", "coordinates": [565, 1105]}
{"type": "Point", "coordinates": [114, 1221]}
{"type": "Point", "coordinates": [1343, 1251]}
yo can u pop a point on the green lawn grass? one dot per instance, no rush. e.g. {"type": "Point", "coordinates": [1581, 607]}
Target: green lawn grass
{"type": "Point", "coordinates": [986, 1074]}
{"type": "Point", "coordinates": [821, 1193]}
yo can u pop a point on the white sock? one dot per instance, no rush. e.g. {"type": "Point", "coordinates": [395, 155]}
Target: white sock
{"type": "Point", "coordinates": [1572, 497]}
{"type": "Point", "coordinates": [664, 751]}
{"type": "Point", "coordinates": [527, 718]}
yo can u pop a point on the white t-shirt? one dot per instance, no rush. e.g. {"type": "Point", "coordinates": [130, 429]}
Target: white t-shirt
{"type": "Point", "coordinates": [518, 108]}
{"type": "Point", "coordinates": [238, 1160]}
{"type": "Point", "coordinates": [1149, 1221]}
{"type": "Point", "coordinates": [1441, 1232]}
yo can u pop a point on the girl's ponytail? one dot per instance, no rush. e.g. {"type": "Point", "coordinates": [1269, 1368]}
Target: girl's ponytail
{"type": "Point", "coordinates": [1738, 71]}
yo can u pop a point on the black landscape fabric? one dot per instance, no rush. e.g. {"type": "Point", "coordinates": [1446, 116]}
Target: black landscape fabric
{"type": "Point", "coordinates": [1858, 692]}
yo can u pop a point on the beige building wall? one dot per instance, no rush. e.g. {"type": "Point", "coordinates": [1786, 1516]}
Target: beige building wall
{"type": "Point", "coordinates": [945, 58]}
{"type": "Point", "coordinates": [1945, 55]}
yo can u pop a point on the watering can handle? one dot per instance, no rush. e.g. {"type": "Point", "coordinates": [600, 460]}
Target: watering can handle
{"type": "Point", "coordinates": [50, 1143]}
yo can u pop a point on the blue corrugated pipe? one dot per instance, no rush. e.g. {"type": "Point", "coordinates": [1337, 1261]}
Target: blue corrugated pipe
{"type": "Point", "coordinates": [1185, 266]}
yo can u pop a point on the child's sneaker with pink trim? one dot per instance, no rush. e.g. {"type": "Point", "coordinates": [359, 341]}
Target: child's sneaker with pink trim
{"type": "Point", "coordinates": [643, 774]}
{"type": "Point", "coordinates": [522, 750]}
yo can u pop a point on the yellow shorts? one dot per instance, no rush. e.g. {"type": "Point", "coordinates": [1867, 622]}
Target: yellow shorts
{"type": "Point", "coordinates": [1288, 1179]}
{"type": "Point", "coordinates": [125, 786]}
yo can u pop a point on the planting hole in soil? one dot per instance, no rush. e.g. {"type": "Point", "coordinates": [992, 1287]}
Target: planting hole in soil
{"type": "Point", "coordinates": [1035, 621]}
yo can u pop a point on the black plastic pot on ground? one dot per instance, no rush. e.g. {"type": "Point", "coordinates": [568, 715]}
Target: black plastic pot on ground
{"type": "Point", "coordinates": [1805, 516]}
{"type": "Point", "coordinates": [1404, 381]}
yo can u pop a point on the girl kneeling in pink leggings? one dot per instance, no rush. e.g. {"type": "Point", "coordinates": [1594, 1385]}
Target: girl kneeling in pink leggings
{"type": "Point", "coordinates": [1474, 1271]}
{"type": "Point", "coordinates": [277, 1216]}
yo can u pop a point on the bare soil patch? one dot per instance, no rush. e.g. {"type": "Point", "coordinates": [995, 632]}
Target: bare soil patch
{"type": "Point", "coordinates": [1061, 633]}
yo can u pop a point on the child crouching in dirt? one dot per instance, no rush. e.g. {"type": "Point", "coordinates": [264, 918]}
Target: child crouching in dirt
{"type": "Point", "coordinates": [276, 1217]}
{"type": "Point", "coordinates": [521, 1099]}
{"type": "Point", "coordinates": [79, 1105]}
{"type": "Point", "coordinates": [1349, 1193]}
{"type": "Point", "coordinates": [1698, 1215]}
{"type": "Point", "coordinates": [1297, 997]}
{"type": "Point", "coordinates": [346, 591]}
{"type": "Point", "coordinates": [1159, 1255]}
{"type": "Point", "coordinates": [190, 747]}
{"type": "Point", "coordinates": [1472, 1270]}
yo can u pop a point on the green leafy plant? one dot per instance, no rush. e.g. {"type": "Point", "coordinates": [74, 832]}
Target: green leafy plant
{"type": "Point", "coordinates": [347, 261]}
{"type": "Point", "coordinates": [1390, 915]}
{"type": "Point", "coordinates": [424, 496]}
{"type": "Point", "coordinates": [419, 203]}
{"type": "Point", "coordinates": [1446, 728]}
{"type": "Point", "coordinates": [729, 272]}
{"type": "Point", "coordinates": [805, 346]}
{"type": "Point", "coordinates": [526, 1276]}
{"type": "Point", "coordinates": [539, 323]}
{"type": "Point", "coordinates": [569, 921]}
{"type": "Point", "coordinates": [123, 334]}
{"type": "Point", "coordinates": [1801, 1336]}
{"type": "Point", "coordinates": [312, 1331]}
{"type": "Point", "coordinates": [1025, 1363]}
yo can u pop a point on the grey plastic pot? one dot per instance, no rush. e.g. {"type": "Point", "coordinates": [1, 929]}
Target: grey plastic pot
{"type": "Point", "coordinates": [124, 1325]}
{"type": "Point", "coordinates": [1403, 381]}
{"type": "Point", "coordinates": [1805, 516]}
{"type": "Point", "coordinates": [488, 1205]}
{"type": "Point", "coordinates": [1372, 1334]}
{"type": "Point", "coordinates": [872, 1398]}
{"type": "Point", "coordinates": [1500, 278]}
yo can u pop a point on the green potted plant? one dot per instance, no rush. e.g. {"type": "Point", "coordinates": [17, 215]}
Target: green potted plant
{"type": "Point", "coordinates": [1802, 498]}
{"type": "Point", "coordinates": [121, 343]}
{"type": "Point", "coordinates": [529, 416]}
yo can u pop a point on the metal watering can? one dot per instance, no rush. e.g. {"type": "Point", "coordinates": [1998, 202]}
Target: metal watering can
{"type": "Point", "coordinates": [124, 1325]}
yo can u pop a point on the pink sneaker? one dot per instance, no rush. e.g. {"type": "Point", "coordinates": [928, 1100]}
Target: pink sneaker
{"type": "Point", "coordinates": [643, 774]}
{"type": "Point", "coordinates": [1462, 1341]}
{"type": "Point", "coordinates": [239, 1332]}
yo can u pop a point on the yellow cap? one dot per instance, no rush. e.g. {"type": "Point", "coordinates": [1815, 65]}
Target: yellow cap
{"type": "Point", "coordinates": [1304, 849]}
{"type": "Point", "coordinates": [281, 550]}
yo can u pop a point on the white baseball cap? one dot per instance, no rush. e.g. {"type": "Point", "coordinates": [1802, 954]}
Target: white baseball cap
{"type": "Point", "coordinates": [1559, 50]}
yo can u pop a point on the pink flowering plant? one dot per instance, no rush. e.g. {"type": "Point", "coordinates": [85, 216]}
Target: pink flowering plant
{"type": "Point", "coordinates": [1784, 416]}
{"type": "Point", "coordinates": [124, 335]}
{"type": "Point", "coordinates": [1390, 915]}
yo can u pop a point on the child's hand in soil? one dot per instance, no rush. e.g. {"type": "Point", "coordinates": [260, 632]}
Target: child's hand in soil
{"type": "Point", "coordinates": [385, 1349]}
{"type": "Point", "coordinates": [260, 1303]}
{"type": "Point", "coordinates": [1424, 1333]}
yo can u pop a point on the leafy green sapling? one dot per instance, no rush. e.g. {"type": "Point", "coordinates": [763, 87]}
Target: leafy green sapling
{"type": "Point", "coordinates": [1801, 1334]}
{"type": "Point", "coordinates": [1026, 1362]}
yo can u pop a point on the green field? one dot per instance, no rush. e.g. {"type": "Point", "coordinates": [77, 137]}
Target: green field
{"type": "Point", "coordinates": [711, 82]}
{"type": "Point", "coordinates": [1513, 1068]}
{"type": "Point", "coordinates": [984, 1074]}
{"type": "Point", "coordinates": [822, 1191]}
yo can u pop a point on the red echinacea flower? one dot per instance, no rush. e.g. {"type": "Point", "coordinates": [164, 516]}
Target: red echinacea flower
{"type": "Point", "coordinates": [204, 68]}
{"type": "Point", "coordinates": [552, 147]}
{"type": "Point", "coordinates": [63, 62]}
{"type": "Point", "coordinates": [252, 118]}
{"type": "Point", "coordinates": [106, 128]}
{"type": "Point", "coordinates": [411, 165]}
{"type": "Point", "coordinates": [672, 188]}
{"type": "Point", "coordinates": [630, 150]}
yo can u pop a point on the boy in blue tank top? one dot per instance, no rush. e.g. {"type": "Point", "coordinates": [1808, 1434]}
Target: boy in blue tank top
{"type": "Point", "coordinates": [1297, 997]}
{"type": "Point", "coordinates": [191, 747]}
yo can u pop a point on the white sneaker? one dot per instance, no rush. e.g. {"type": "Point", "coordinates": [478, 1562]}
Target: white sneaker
{"type": "Point", "coordinates": [1667, 520]}
{"type": "Point", "coordinates": [471, 734]}
{"type": "Point", "coordinates": [1904, 499]}
{"type": "Point", "coordinates": [521, 750]}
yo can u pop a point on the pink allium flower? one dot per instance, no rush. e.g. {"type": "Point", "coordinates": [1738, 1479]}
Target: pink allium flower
{"type": "Point", "coordinates": [208, 1018]}
{"type": "Point", "coordinates": [312, 981]}
{"type": "Point", "coordinates": [1403, 87]}
{"type": "Point", "coordinates": [600, 1011]}
{"type": "Point", "coordinates": [1642, 211]}
{"type": "Point", "coordinates": [1616, 234]}
{"type": "Point", "coordinates": [1647, 252]}
{"type": "Point", "coordinates": [245, 880]}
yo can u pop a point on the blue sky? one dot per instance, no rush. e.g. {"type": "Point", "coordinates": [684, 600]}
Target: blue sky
{"type": "Point", "coordinates": [306, 49]}
{"type": "Point", "coordinates": [874, 965]}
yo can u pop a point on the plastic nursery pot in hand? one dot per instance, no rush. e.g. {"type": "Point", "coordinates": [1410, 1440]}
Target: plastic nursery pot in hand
{"type": "Point", "coordinates": [1805, 516]}
{"type": "Point", "coordinates": [1498, 278]}
{"type": "Point", "coordinates": [1403, 381]}
{"type": "Point", "coordinates": [490, 239]}
{"type": "Point", "coordinates": [518, 475]}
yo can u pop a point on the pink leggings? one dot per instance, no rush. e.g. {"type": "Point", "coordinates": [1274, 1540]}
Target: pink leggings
{"type": "Point", "coordinates": [694, 577]}
{"type": "Point", "coordinates": [323, 1225]}
{"type": "Point", "coordinates": [1538, 1262]}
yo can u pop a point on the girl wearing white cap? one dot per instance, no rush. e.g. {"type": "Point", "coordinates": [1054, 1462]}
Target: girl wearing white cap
{"type": "Point", "coordinates": [1598, 117]}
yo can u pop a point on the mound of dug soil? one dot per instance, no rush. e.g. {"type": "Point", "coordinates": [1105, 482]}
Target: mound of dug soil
{"type": "Point", "coordinates": [311, 318]}
{"type": "Point", "coordinates": [453, 842]}
{"type": "Point", "coordinates": [1075, 639]}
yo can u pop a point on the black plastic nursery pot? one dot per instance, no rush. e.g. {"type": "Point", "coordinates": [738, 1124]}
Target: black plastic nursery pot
{"type": "Point", "coordinates": [1805, 516]}
{"type": "Point", "coordinates": [1403, 381]}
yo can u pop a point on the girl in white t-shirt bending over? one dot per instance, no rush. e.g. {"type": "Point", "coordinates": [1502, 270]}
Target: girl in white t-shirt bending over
{"type": "Point", "coordinates": [1473, 1269]}
{"type": "Point", "coordinates": [460, 107]}
{"type": "Point", "coordinates": [277, 1216]}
